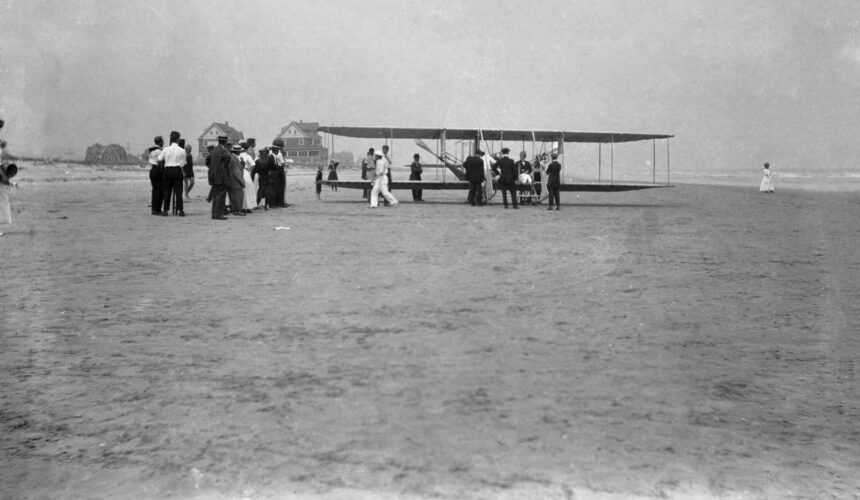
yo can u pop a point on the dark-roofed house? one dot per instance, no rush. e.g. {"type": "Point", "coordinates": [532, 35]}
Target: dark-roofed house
{"type": "Point", "coordinates": [112, 154]}
{"type": "Point", "coordinates": [303, 144]}
{"type": "Point", "coordinates": [210, 136]}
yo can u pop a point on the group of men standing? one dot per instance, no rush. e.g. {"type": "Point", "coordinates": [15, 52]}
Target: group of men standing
{"type": "Point", "coordinates": [250, 179]}
{"type": "Point", "coordinates": [170, 169]}
{"type": "Point", "coordinates": [481, 168]}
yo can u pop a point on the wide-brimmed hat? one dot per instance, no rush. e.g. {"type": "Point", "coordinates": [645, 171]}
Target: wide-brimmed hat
{"type": "Point", "coordinates": [222, 139]}
{"type": "Point", "coordinates": [9, 171]}
{"type": "Point", "coordinates": [278, 143]}
{"type": "Point", "coordinates": [237, 149]}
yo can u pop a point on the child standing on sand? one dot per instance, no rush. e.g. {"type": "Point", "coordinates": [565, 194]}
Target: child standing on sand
{"type": "Point", "coordinates": [766, 182]}
{"type": "Point", "coordinates": [319, 179]}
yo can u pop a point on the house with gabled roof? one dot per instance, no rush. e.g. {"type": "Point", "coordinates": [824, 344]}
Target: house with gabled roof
{"type": "Point", "coordinates": [211, 133]}
{"type": "Point", "coordinates": [303, 144]}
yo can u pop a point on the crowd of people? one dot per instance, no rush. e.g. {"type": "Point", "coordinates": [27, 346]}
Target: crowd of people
{"type": "Point", "coordinates": [482, 168]}
{"type": "Point", "coordinates": [241, 178]}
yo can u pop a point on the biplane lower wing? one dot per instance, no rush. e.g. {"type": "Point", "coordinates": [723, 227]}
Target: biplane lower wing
{"type": "Point", "coordinates": [597, 187]}
{"type": "Point", "coordinates": [398, 184]}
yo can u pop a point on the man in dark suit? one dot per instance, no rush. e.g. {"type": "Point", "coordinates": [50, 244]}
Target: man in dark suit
{"type": "Point", "coordinates": [156, 174]}
{"type": "Point", "coordinates": [277, 173]}
{"type": "Point", "coordinates": [219, 168]}
{"type": "Point", "coordinates": [553, 182]}
{"type": "Point", "coordinates": [415, 175]}
{"type": "Point", "coordinates": [236, 182]}
{"type": "Point", "coordinates": [507, 170]}
{"type": "Point", "coordinates": [474, 166]}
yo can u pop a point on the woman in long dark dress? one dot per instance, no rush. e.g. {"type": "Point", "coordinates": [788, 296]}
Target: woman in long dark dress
{"type": "Point", "coordinates": [332, 173]}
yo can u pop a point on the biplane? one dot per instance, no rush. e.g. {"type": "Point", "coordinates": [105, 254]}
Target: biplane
{"type": "Point", "coordinates": [552, 141]}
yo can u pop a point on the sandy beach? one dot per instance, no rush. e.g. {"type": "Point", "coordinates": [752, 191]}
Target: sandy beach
{"type": "Point", "coordinates": [687, 342]}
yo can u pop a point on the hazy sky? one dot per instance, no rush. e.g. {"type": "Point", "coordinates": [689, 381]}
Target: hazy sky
{"type": "Point", "coordinates": [737, 82]}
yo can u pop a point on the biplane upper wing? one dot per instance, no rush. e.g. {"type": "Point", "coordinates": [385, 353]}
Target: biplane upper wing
{"type": "Point", "coordinates": [488, 134]}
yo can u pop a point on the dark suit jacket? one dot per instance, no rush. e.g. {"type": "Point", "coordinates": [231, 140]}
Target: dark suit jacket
{"type": "Point", "coordinates": [524, 166]}
{"type": "Point", "coordinates": [261, 171]}
{"type": "Point", "coordinates": [474, 169]}
{"type": "Point", "coordinates": [507, 170]}
{"type": "Point", "coordinates": [416, 171]}
{"type": "Point", "coordinates": [235, 180]}
{"type": "Point", "coordinates": [219, 165]}
{"type": "Point", "coordinates": [553, 174]}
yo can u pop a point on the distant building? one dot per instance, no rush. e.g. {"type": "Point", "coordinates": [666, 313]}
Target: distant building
{"type": "Point", "coordinates": [112, 154]}
{"type": "Point", "coordinates": [344, 158]}
{"type": "Point", "coordinates": [303, 144]}
{"type": "Point", "coordinates": [210, 136]}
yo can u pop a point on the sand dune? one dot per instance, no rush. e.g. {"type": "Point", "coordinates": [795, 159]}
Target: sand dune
{"type": "Point", "coordinates": [675, 343]}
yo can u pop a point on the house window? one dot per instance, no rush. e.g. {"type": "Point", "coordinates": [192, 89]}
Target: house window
{"type": "Point", "coordinates": [292, 153]}
{"type": "Point", "coordinates": [313, 153]}
{"type": "Point", "coordinates": [303, 153]}
{"type": "Point", "coordinates": [301, 142]}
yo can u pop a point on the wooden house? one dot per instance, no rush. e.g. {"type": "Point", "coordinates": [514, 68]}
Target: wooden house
{"type": "Point", "coordinates": [210, 137]}
{"type": "Point", "coordinates": [112, 154]}
{"type": "Point", "coordinates": [303, 144]}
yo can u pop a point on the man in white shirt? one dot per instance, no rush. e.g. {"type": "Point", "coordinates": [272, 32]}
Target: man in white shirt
{"type": "Point", "coordinates": [381, 182]}
{"type": "Point", "coordinates": [173, 157]}
{"type": "Point", "coordinates": [156, 175]}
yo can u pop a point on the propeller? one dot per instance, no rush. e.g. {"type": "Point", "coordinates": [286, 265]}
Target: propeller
{"type": "Point", "coordinates": [423, 145]}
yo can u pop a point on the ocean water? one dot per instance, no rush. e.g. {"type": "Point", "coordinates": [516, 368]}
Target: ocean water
{"type": "Point", "coordinates": [813, 181]}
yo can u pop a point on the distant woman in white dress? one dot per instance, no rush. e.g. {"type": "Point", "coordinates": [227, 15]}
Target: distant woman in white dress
{"type": "Point", "coordinates": [6, 186]}
{"type": "Point", "coordinates": [766, 182]}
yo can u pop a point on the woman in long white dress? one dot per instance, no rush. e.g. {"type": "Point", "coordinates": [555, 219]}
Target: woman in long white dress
{"type": "Point", "coordinates": [766, 182]}
{"type": "Point", "coordinates": [6, 185]}
{"type": "Point", "coordinates": [250, 201]}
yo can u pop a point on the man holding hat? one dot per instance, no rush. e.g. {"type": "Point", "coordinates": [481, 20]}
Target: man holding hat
{"type": "Point", "coordinates": [277, 174]}
{"type": "Point", "coordinates": [219, 169]}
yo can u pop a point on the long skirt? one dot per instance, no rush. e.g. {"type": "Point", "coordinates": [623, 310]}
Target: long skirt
{"type": "Point", "coordinates": [5, 207]}
{"type": "Point", "coordinates": [250, 192]}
